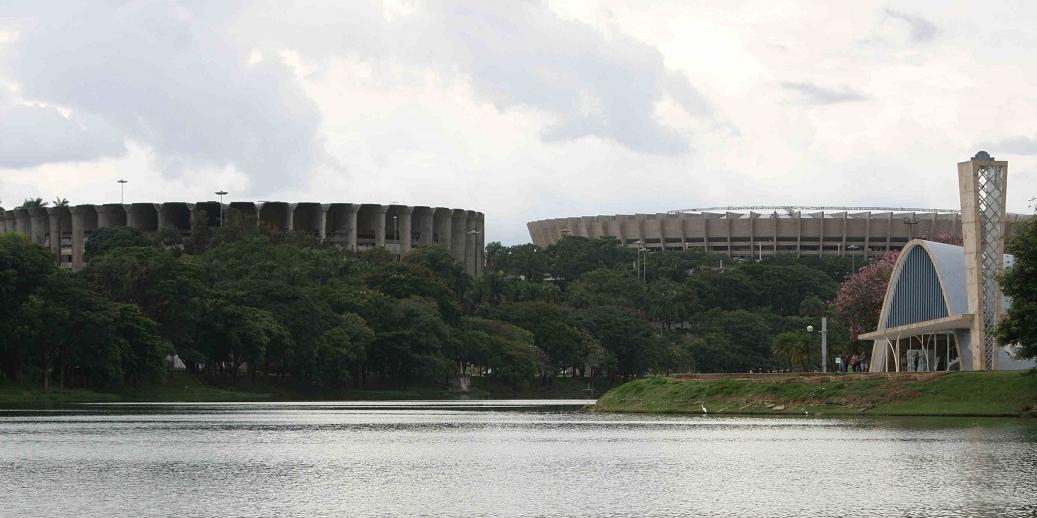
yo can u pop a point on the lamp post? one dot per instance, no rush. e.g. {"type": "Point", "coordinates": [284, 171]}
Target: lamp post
{"type": "Point", "coordinates": [221, 194]}
{"type": "Point", "coordinates": [396, 235]}
{"type": "Point", "coordinates": [853, 257]}
{"type": "Point", "coordinates": [824, 342]}
{"type": "Point", "coordinates": [478, 263]}
{"type": "Point", "coordinates": [122, 190]}
{"type": "Point", "coordinates": [911, 222]}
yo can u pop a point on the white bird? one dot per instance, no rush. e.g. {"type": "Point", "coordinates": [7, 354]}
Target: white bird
{"type": "Point", "coordinates": [805, 412]}
{"type": "Point", "coordinates": [703, 408]}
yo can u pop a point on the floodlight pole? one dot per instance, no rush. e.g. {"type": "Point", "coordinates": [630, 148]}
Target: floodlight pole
{"type": "Point", "coordinates": [122, 190]}
{"type": "Point", "coordinates": [221, 195]}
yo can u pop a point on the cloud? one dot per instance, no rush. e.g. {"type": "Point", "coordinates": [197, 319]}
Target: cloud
{"type": "Point", "coordinates": [515, 55]}
{"type": "Point", "coordinates": [813, 94]}
{"type": "Point", "coordinates": [1017, 145]}
{"type": "Point", "coordinates": [166, 77]}
{"type": "Point", "coordinates": [920, 29]}
{"type": "Point", "coordinates": [522, 53]}
{"type": "Point", "coordinates": [31, 135]}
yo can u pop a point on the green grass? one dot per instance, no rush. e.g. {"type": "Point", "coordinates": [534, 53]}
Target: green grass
{"type": "Point", "coordinates": [182, 387]}
{"type": "Point", "coordinates": [962, 394]}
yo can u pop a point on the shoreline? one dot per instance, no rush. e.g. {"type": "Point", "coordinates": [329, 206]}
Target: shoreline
{"type": "Point", "coordinates": [981, 394]}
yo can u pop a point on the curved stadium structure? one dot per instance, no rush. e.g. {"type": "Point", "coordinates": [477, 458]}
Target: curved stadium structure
{"type": "Point", "coordinates": [755, 231]}
{"type": "Point", "coordinates": [355, 226]}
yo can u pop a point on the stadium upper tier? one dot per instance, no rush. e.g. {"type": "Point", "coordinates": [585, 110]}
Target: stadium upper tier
{"type": "Point", "coordinates": [354, 226]}
{"type": "Point", "coordinates": [754, 231]}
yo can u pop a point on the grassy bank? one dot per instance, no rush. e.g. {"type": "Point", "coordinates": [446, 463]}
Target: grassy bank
{"type": "Point", "coordinates": [953, 394]}
{"type": "Point", "coordinates": [184, 388]}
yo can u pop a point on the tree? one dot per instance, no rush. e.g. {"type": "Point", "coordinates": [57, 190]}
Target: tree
{"type": "Point", "coordinates": [553, 330]}
{"type": "Point", "coordinates": [60, 202]}
{"type": "Point", "coordinates": [794, 347]}
{"type": "Point", "coordinates": [571, 257]}
{"type": "Point", "coordinates": [32, 203]}
{"type": "Point", "coordinates": [627, 337]}
{"type": "Point", "coordinates": [859, 299]}
{"type": "Point", "coordinates": [726, 290]}
{"type": "Point", "coordinates": [1019, 323]}
{"type": "Point", "coordinates": [104, 240]}
{"type": "Point", "coordinates": [605, 286]}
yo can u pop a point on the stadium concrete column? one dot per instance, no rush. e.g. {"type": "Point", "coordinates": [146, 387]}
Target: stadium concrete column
{"type": "Point", "coordinates": [324, 221]}
{"type": "Point", "coordinates": [799, 233]}
{"type": "Point", "coordinates": [39, 225]}
{"type": "Point", "coordinates": [379, 225]}
{"type": "Point", "coordinates": [471, 243]}
{"type": "Point", "coordinates": [457, 235]}
{"type": "Point", "coordinates": [403, 219]}
{"type": "Point", "coordinates": [23, 222]}
{"type": "Point", "coordinates": [351, 229]}
{"type": "Point", "coordinates": [480, 263]}
{"type": "Point", "coordinates": [289, 217]}
{"type": "Point", "coordinates": [444, 218]}
{"type": "Point", "coordinates": [889, 229]}
{"type": "Point", "coordinates": [132, 217]}
{"type": "Point", "coordinates": [160, 217]}
{"type": "Point", "coordinates": [78, 231]}
{"type": "Point", "coordinates": [616, 229]}
{"type": "Point", "coordinates": [867, 236]}
{"type": "Point", "coordinates": [426, 226]}
{"type": "Point", "coordinates": [821, 234]}
{"type": "Point", "coordinates": [842, 248]}
{"type": "Point", "coordinates": [752, 233]}
{"type": "Point", "coordinates": [54, 215]}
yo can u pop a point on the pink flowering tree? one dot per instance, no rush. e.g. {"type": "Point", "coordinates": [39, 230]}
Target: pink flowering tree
{"type": "Point", "coordinates": [859, 300]}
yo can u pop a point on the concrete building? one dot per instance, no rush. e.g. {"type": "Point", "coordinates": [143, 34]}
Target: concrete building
{"type": "Point", "coordinates": [943, 302]}
{"type": "Point", "coordinates": [766, 230]}
{"type": "Point", "coordinates": [354, 226]}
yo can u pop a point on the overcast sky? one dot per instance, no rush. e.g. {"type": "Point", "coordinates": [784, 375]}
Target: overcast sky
{"type": "Point", "coordinates": [522, 110]}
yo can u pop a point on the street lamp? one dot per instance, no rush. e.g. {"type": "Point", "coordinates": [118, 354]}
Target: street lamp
{"type": "Point", "coordinates": [396, 235]}
{"type": "Point", "coordinates": [824, 342]}
{"type": "Point", "coordinates": [122, 190]}
{"type": "Point", "coordinates": [911, 222]}
{"type": "Point", "coordinates": [853, 257]}
{"type": "Point", "coordinates": [221, 194]}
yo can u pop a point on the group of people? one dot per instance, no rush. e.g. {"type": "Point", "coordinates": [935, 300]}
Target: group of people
{"type": "Point", "coordinates": [850, 363]}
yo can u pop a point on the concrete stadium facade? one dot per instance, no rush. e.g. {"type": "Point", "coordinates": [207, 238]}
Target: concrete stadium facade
{"type": "Point", "coordinates": [354, 226]}
{"type": "Point", "coordinates": [766, 230]}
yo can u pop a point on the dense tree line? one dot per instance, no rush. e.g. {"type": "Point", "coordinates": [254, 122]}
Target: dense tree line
{"type": "Point", "coordinates": [243, 302]}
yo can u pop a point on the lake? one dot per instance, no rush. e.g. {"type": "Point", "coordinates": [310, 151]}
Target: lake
{"type": "Point", "coordinates": [503, 458]}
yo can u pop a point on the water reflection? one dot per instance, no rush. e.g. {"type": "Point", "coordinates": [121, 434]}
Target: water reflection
{"type": "Point", "coordinates": [503, 458]}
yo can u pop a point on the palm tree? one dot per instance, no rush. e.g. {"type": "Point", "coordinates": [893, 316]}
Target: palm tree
{"type": "Point", "coordinates": [793, 347]}
{"type": "Point", "coordinates": [33, 203]}
{"type": "Point", "coordinates": [60, 202]}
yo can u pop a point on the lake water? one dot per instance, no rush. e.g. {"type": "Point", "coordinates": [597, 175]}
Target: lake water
{"type": "Point", "coordinates": [503, 459]}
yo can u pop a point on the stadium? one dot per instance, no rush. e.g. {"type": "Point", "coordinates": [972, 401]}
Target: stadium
{"type": "Point", "coordinates": [355, 226]}
{"type": "Point", "coordinates": [760, 231]}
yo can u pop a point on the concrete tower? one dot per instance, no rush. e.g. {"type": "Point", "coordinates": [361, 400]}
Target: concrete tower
{"type": "Point", "coordinates": [982, 183]}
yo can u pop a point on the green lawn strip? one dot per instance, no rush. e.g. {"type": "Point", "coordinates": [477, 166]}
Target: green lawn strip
{"type": "Point", "coordinates": [999, 393]}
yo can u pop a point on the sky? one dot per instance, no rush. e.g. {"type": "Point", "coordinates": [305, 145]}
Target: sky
{"type": "Point", "coordinates": [521, 110]}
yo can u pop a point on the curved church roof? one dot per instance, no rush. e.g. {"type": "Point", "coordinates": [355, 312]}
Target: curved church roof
{"type": "Point", "coordinates": [928, 283]}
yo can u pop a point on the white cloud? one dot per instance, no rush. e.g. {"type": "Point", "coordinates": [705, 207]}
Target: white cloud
{"type": "Point", "coordinates": [521, 110]}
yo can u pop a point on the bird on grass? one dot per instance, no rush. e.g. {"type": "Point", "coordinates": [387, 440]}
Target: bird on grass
{"type": "Point", "coordinates": [703, 408]}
